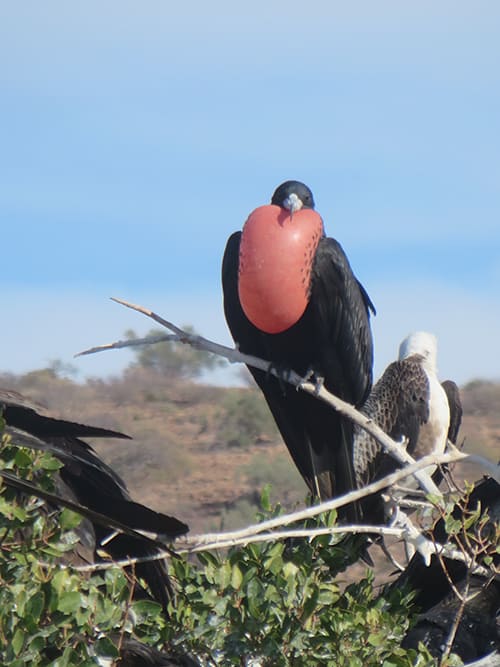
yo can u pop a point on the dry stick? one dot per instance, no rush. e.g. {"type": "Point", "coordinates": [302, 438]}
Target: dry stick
{"type": "Point", "coordinates": [293, 378]}
{"type": "Point", "coordinates": [339, 501]}
{"type": "Point", "coordinates": [463, 599]}
{"type": "Point", "coordinates": [131, 342]}
{"type": "Point", "coordinates": [235, 356]}
{"type": "Point", "coordinates": [262, 531]}
{"type": "Point", "coordinates": [308, 533]}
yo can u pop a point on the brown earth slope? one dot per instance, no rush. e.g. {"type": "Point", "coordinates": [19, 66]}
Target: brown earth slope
{"type": "Point", "coordinates": [188, 456]}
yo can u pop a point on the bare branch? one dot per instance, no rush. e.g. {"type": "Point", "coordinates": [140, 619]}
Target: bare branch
{"type": "Point", "coordinates": [225, 540]}
{"type": "Point", "coordinates": [130, 342]}
{"type": "Point", "coordinates": [339, 501]}
{"type": "Point", "coordinates": [234, 356]}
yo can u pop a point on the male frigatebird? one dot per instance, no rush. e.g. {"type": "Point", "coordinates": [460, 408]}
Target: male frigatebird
{"type": "Point", "coordinates": [290, 297]}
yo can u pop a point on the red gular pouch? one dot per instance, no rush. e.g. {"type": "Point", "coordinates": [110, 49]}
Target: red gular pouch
{"type": "Point", "coordinates": [276, 256]}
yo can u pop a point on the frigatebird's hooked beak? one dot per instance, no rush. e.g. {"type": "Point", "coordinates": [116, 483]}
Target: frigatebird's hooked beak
{"type": "Point", "coordinates": [293, 203]}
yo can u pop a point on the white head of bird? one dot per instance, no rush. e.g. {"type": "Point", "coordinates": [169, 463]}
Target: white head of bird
{"type": "Point", "coordinates": [422, 343]}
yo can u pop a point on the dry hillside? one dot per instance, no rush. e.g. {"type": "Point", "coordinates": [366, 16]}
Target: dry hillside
{"type": "Point", "coordinates": [203, 453]}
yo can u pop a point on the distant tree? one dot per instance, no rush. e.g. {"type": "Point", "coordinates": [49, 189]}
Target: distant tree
{"type": "Point", "coordinates": [244, 418]}
{"type": "Point", "coordinates": [62, 369]}
{"type": "Point", "coordinates": [173, 359]}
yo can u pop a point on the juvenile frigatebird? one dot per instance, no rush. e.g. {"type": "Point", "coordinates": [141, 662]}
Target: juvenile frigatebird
{"type": "Point", "coordinates": [291, 298]}
{"type": "Point", "coordinates": [408, 403]}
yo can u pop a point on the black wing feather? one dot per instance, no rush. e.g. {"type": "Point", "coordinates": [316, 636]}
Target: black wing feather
{"type": "Point", "coordinates": [92, 488]}
{"type": "Point", "coordinates": [456, 411]}
{"type": "Point", "coordinates": [340, 309]}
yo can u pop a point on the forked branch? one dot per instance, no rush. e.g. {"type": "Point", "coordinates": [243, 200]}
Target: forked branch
{"type": "Point", "coordinates": [235, 356]}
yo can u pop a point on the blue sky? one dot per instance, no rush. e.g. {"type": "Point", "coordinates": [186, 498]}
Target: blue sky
{"type": "Point", "coordinates": [135, 137]}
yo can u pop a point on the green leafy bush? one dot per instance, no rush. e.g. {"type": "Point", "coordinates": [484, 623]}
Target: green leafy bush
{"type": "Point", "coordinates": [277, 602]}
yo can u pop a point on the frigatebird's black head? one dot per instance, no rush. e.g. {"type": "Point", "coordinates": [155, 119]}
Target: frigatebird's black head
{"type": "Point", "coordinates": [293, 195]}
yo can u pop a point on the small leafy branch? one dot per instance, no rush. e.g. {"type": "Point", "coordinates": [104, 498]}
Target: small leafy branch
{"type": "Point", "coordinates": [476, 535]}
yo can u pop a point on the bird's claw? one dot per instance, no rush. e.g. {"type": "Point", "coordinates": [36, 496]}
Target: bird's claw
{"type": "Point", "coordinates": [312, 377]}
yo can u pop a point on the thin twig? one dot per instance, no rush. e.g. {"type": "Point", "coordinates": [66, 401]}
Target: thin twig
{"type": "Point", "coordinates": [131, 342]}
{"type": "Point", "coordinates": [417, 469]}
{"type": "Point", "coordinates": [385, 531]}
{"type": "Point", "coordinates": [350, 497]}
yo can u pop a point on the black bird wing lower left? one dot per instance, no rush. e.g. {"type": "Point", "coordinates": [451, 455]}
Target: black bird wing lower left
{"type": "Point", "coordinates": [89, 486]}
{"type": "Point", "coordinates": [57, 500]}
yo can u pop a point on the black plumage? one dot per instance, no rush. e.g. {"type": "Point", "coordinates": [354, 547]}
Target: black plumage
{"type": "Point", "coordinates": [478, 632]}
{"type": "Point", "coordinates": [456, 410]}
{"type": "Point", "coordinates": [332, 340]}
{"type": "Point", "coordinates": [134, 653]}
{"type": "Point", "coordinates": [88, 485]}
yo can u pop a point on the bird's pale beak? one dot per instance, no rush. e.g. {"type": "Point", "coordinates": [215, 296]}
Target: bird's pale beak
{"type": "Point", "coordinates": [292, 203]}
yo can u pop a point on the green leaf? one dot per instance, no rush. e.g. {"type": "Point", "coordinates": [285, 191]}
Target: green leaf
{"type": "Point", "coordinates": [290, 570]}
{"type": "Point", "coordinates": [23, 458]}
{"type": "Point", "coordinates": [69, 602]}
{"type": "Point", "coordinates": [265, 498]}
{"type": "Point", "coordinates": [11, 511]}
{"type": "Point", "coordinates": [310, 605]}
{"type": "Point", "coordinates": [146, 608]}
{"type": "Point", "coordinates": [60, 580]}
{"type": "Point", "coordinates": [207, 558]}
{"type": "Point", "coordinates": [236, 577]}
{"type": "Point", "coordinates": [223, 575]}
{"type": "Point", "coordinates": [376, 639]}
{"type": "Point", "coordinates": [18, 641]}
{"type": "Point", "coordinates": [48, 462]}
{"type": "Point", "coordinates": [69, 519]}
{"type": "Point", "coordinates": [106, 648]}
{"type": "Point", "coordinates": [35, 605]}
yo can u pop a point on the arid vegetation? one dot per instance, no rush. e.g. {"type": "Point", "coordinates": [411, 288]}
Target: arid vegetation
{"type": "Point", "coordinates": [204, 452]}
